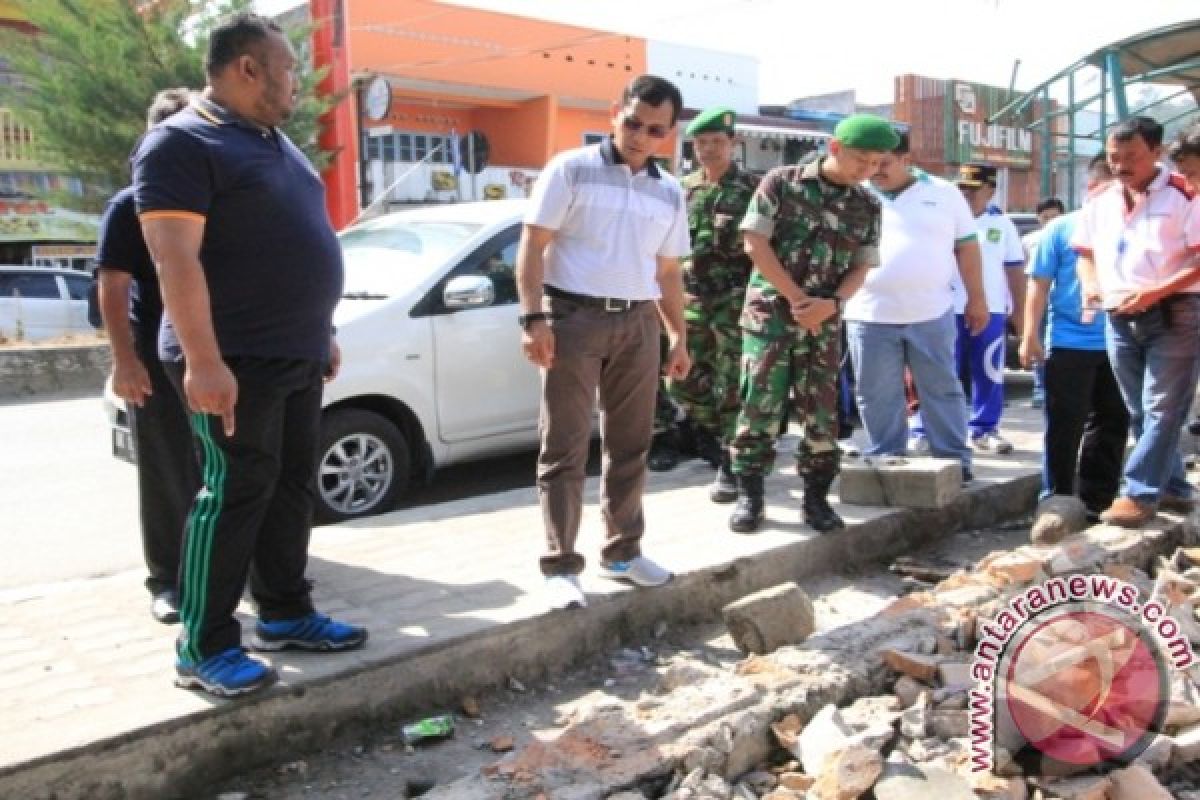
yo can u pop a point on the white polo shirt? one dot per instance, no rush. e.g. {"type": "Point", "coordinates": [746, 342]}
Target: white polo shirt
{"type": "Point", "coordinates": [610, 225]}
{"type": "Point", "coordinates": [1001, 250]}
{"type": "Point", "coordinates": [921, 227]}
{"type": "Point", "coordinates": [1145, 246]}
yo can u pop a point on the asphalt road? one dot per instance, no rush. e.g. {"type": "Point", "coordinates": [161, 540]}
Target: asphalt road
{"type": "Point", "coordinates": [70, 508]}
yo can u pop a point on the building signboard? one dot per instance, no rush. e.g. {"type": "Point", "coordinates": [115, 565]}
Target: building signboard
{"type": "Point", "coordinates": [969, 135]}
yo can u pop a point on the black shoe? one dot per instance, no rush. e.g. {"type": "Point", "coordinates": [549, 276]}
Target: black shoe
{"type": "Point", "coordinates": [967, 477]}
{"type": "Point", "coordinates": [165, 607]}
{"type": "Point", "coordinates": [664, 455]}
{"type": "Point", "coordinates": [724, 488]}
{"type": "Point", "coordinates": [750, 510]}
{"type": "Point", "coordinates": [1193, 427]}
{"type": "Point", "coordinates": [818, 514]}
{"type": "Point", "coordinates": [708, 445]}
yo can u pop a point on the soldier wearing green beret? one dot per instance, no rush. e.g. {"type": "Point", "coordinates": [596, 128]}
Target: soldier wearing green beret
{"type": "Point", "coordinates": [812, 232]}
{"type": "Point", "coordinates": [715, 277]}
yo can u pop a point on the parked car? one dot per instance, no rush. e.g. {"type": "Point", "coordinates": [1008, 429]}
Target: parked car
{"type": "Point", "coordinates": [38, 303]}
{"type": "Point", "coordinates": [432, 369]}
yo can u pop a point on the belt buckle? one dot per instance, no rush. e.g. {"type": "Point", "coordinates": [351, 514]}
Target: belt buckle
{"type": "Point", "coordinates": [615, 305]}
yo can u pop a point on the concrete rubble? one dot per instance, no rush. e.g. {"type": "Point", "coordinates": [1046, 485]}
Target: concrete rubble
{"type": "Point", "coordinates": [876, 709]}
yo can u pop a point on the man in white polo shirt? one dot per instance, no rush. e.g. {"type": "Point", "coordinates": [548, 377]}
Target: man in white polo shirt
{"type": "Point", "coordinates": [1139, 258]}
{"type": "Point", "coordinates": [903, 316]}
{"type": "Point", "coordinates": [598, 265]}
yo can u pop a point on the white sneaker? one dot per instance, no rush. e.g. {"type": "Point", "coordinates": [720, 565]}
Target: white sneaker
{"type": "Point", "coordinates": [640, 571]}
{"type": "Point", "coordinates": [562, 591]}
{"type": "Point", "coordinates": [991, 443]}
{"type": "Point", "coordinates": [919, 446]}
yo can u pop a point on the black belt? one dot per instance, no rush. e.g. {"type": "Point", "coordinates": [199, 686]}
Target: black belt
{"type": "Point", "coordinates": [609, 304]}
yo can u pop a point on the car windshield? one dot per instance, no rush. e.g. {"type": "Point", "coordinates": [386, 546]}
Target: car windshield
{"type": "Point", "coordinates": [386, 257]}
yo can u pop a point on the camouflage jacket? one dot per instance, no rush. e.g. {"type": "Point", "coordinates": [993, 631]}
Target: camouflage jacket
{"type": "Point", "coordinates": [819, 231]}
{"type": "Point", "coordinates": [718, 263]}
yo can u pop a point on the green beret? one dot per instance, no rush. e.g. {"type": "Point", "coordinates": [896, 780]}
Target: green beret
{"type": "Point", "coordinates": [715, 120]}
{"type": "Point", "coordinates": [867, 132]}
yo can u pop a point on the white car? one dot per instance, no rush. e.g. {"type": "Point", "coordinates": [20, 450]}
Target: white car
{"type": "Point", "coordinates": [38, 303]}
{"type": "Point", "coordinates": [432, 369]}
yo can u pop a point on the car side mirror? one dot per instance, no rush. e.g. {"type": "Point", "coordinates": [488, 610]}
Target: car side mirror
{"type": "Point", "coordinates": [469, 291]}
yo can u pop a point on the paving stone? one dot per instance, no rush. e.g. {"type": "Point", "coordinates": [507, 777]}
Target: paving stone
{"type": "Point", "coordinates": [902, 482]}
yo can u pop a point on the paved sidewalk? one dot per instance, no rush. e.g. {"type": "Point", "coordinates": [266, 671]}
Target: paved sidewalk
{"type": "Point", "coordinates": [84, 671]}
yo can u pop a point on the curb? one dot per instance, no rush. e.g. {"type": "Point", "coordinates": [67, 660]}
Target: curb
{"type": "Point", "coordinates": [33, 371]}
{"type": "Point", "coordinates": [187, 754]}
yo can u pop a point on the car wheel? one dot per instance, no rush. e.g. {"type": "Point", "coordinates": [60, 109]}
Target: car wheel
{"type": "Point", "coordinates": [365, 465]}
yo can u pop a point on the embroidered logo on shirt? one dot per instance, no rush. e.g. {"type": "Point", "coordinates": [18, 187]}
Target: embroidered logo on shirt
{"type": "Point", "coordinates": [994, 235]}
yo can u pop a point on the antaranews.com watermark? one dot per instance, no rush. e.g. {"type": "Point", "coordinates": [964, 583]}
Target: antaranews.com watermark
{"type": "Point", "coordinates": [1075, 669]}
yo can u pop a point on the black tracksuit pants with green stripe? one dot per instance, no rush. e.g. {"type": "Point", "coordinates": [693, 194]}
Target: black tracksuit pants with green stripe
{"type": "Point", "coordinates": [253, 514]}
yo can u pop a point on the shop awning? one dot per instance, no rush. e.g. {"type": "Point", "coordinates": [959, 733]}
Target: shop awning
{"type": "Point", "coordinates": [761, 131]}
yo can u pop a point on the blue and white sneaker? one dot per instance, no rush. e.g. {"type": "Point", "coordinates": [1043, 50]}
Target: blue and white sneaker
{"type": "Point", "coordinates": [315, 632]}
{"type": "Point", "coordinates": [227, 674]}
{"type": "Point", "coordinates": [639, 571]}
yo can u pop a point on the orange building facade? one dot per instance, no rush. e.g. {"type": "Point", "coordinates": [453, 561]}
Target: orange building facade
{"type": "Point", "coordinates": [425, 74]}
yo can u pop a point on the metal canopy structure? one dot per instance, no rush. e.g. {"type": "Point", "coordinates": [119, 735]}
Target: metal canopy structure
{"type": "Point", "coordinates": [1163, 57]}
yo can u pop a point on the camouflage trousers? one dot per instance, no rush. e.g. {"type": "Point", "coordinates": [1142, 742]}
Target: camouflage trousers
{"type": "Point", "coordinates": [666, 413]}
{"type": "Point", "coordinates": [710, 394]}
{"type": "Point", "coordinates": [804, 366]}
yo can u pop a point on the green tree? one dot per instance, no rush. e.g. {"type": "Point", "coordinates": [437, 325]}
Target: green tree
{"type": "Point", "coordinates": [86, 78]}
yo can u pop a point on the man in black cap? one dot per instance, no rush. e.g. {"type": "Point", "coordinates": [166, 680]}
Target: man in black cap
{"type": "Point", "coordinates": [812, 231]}
{"type": "Point", "coordinates": [715, 276]}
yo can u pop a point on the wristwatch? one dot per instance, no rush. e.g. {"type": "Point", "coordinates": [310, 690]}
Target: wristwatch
{"type": "Point", "coordinates": [526, 319]}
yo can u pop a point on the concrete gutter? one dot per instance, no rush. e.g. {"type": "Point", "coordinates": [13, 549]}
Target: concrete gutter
{"type": "Point", "coordinates": [39, 370]}
{"type": "Point", "coordinates": [187, 753]}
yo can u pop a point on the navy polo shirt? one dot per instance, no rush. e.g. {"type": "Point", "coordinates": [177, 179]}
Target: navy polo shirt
{"type": "Point", "coordinates": [122, 248]}
{"type": "Point", "coordinates": [270, 256]}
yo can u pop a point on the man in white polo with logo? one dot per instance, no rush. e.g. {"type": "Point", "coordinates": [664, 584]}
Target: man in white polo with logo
{"type": "Point", "coordinates": [1139, 258]}
{"type": "Point", "coordinates": [598, 265]}
{"type": "Point", "coordinates": [903, 316]}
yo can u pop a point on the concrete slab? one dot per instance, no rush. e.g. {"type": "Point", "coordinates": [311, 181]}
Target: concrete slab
{"type": "Point", "coordinates": [901, 482]}
{"type": "Point", "coordinates": [451, 594]}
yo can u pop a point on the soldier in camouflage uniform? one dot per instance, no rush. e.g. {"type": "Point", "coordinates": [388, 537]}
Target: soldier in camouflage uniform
{"type": "Point", "coordinates": [812, 232]}
{"type": "Point", "coordinates": [715, 277]}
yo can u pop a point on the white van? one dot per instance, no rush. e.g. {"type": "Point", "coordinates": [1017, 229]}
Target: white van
{"type": "Point", "coordinates": [38, 303]}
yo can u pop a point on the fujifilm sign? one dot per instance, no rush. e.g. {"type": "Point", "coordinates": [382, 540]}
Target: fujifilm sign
{"type": "Point", "coordinates": [976, 135]}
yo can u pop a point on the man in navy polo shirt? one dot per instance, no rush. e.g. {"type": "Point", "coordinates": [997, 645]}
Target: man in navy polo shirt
{"type": "Point", "coordinates": [235, 219]}
{"type": "Point", "coordinates": [131, 307]}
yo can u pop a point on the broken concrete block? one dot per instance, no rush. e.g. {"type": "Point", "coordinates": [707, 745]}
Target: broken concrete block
{"type": "Point", "coordinates": [1075, 556]}
{"type": "Point", "coordinates": [1157, 754]}
{"type": "Point", "coordinates": [901, 482]}
{"type": "Point", "coordinates": [949, 724]}
{"type": "Point", "coordinates": [955, 674]}
{"type": "Point", "coordinates": [825, 734]}
{"type": "Point", "coordinates": [919, 782]}
{"type": "Point", "coordinates": [993, 787]}
{"type": "Point", "coordinates": [923, 668]}
{"type": "Point", "coordinates": [1136, 783]}
{"type": "Point", "coordinates": [909, 690]}
{"type": "Point", "coordinates": [797, 781]}
{"type": "Point", "coordinates": [1185, 746]}
{"type": "Point", "coordinates": [1021, 566]}
{"type": "Point", "coordinates": [1057, 518]}
{"type": "Point", "coordinates": [1086, 787]}
{"type": "Point", "coordinates": [848, 773]}
{"type": "Point", "coordinates": [765, 621]}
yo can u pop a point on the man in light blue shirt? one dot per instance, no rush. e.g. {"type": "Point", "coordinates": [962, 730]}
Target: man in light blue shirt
{"type": "Point", "coordinates": [1083, 401]}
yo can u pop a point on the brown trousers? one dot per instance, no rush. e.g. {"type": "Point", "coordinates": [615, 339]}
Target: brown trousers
{"type": "Point", "coordinates": [612, 356]}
